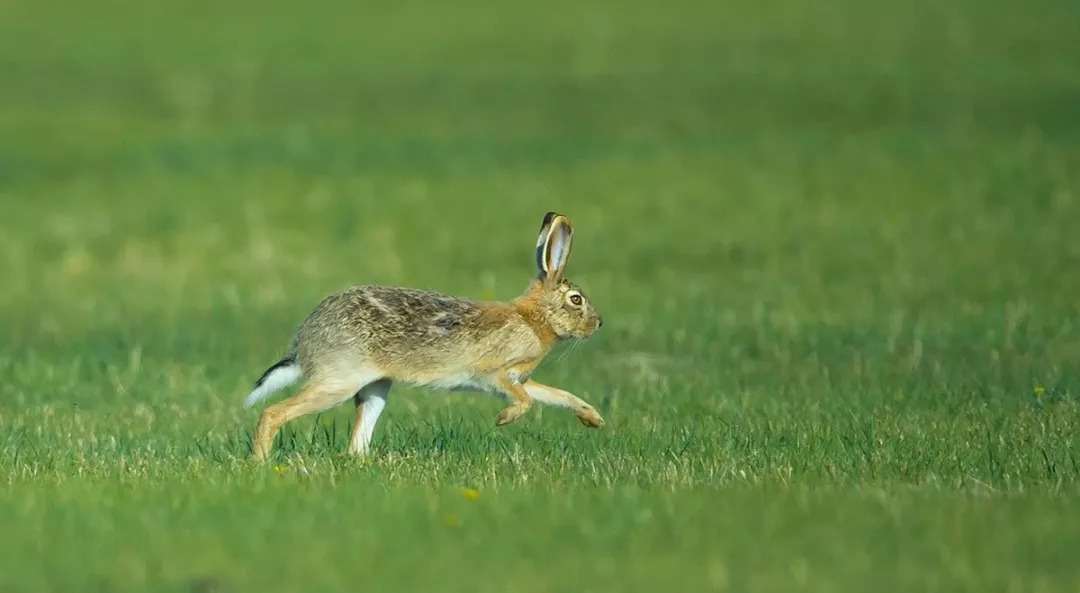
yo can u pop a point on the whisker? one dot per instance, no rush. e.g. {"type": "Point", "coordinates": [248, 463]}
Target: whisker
{"type": "Point", "coordinates": [563, 354]}
{"type": "Point", "coordinates": [569, 348]}
{"type": "Point", "coordinates": [565, 351]}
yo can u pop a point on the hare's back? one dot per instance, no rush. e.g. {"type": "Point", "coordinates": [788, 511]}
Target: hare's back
{"type": "Point", "coordinates": [377, 319]}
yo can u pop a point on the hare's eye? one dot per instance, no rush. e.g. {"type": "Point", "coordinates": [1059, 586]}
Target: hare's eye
{"type": "Point", "coordinates": [576, 299]}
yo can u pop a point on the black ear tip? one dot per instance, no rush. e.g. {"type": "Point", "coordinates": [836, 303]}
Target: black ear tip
{"type": "Point", "coordinates": [549, 217]}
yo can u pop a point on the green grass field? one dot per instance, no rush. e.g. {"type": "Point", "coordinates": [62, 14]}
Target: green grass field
{"type": "Point", "coordinates": [834, 244]}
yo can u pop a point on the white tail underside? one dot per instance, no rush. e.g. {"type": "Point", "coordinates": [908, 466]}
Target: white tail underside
{"type": "Point", "coordinates": [278, 379]}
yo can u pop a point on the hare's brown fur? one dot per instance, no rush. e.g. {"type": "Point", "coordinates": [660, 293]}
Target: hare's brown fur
{"type": "Point", "coordinates": [357, 342]}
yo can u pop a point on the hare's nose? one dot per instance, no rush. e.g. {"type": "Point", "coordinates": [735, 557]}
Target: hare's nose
{"type": "Point", "coordinates": [600, 322]}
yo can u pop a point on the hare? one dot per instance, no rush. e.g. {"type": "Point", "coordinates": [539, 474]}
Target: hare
{"type": "Point", "coordinates": [358, 342]}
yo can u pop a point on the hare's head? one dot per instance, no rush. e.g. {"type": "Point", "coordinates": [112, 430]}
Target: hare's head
{"type": "Point", "coordinates": [563, 304]}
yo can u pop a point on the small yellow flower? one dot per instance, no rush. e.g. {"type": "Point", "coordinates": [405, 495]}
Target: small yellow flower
{"type": "Point", "coordinates": [470, 493]}
{"type": "Point", "coordinates": [280, 469]}
{"type": "Point", "coordinates": [1040, 390]}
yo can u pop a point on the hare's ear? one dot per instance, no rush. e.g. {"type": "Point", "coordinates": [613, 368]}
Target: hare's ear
{"type": "Point", "coordinates": [541, 242]}
{"type": "Point", "coordinates": [553, 246]}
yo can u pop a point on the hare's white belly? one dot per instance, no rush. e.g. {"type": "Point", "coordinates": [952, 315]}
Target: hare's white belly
{"type": "Point", "coordinates": [459, 382]}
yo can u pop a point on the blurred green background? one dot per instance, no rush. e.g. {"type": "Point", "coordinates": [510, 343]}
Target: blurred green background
{"type": "Point", "coordinates": [833, 244]}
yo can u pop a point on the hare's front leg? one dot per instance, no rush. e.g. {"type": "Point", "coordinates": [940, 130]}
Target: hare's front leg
{"type": "Point", "coordinates": [520, 402]}
{"type": "Point", "coordinates": [557, 397]}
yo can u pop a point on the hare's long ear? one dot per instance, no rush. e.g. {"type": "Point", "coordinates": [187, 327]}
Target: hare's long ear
{"type": "Point", "coordinates": [553, 246]}
{"type": "Point", "coordinates": [541, 242]}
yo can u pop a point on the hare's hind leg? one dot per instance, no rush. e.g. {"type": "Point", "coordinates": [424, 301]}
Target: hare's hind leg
{"type": "Point", "coordinates": [370, 401]}
{"type": "Point", "coordinates": [318, 395]}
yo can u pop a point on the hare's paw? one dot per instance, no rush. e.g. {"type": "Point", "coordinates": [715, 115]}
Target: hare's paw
{"type": "Point", "coordinates": [511, 413]}
{"type": "Point", "coordinates": [590, 417]}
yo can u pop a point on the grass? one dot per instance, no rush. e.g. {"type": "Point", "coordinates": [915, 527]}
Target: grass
{"type": "Point", "coordinates": [833, 245]}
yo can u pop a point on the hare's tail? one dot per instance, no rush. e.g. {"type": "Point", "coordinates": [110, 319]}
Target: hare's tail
{"type": "Point", "coordinates": [283, 373]}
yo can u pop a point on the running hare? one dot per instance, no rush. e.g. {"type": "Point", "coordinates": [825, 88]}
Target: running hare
{"type": "Point", "coordinates": [356, 343]}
